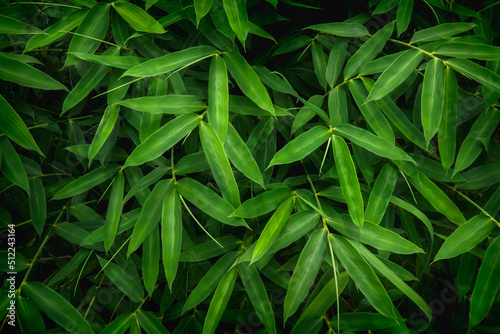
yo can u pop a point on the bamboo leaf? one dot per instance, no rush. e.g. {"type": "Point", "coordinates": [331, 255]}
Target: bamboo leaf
{"type": "Point", "coordinates": [137, 17]}
{"type": "Point", "coordinates": [218, 97]}
{"type": "Point", "coordinates": [37, 204]}
{"type": "Point", "coordinates": [441, 31]}
{"type": "Point", "coordinates": [151, 260]}
{"type": "Point", "coordinates": [248, 81]}
{"type": "Point", "coordinates": [126, 283]}
{"type": "Point", "coordinates": [348, 180]}
{"type": "Point", "coordinates": [257, 293]}
{"type": "Point", "coordinates": [487, 284]}
{"type": "Point", "coordinates": [171, 235]}
{"type": "Point", "coordinates": [171, 61]}
{"type": "Point", "coordinates": [336, 60]}
{"type": "Point", "coordinates": [395, 74]}
{"type": "Point", "coordinates": [466, 237]}
{"type": "Point", "coordinates": [30, 319]}
{"type": "Point", "coordinates": [447, 127]}
{"type": "Point", "coordinates": [368, 50]}
{"type": "Point", "coordinates": [201, 8]}
{"type": "Point", "coordinates": [219, 164]}
{"type": "Point", "coordinates": [11, 26]}
{"type": "Point", "coordinates": [150, 323]}
{"type": "Point", "coordinates": [364, 277]}
{"type": "Point", "coordinates": [341, 29]}
{"type": "Point", "coordinates": [466, 50]}
{"type": "Point", "coordinates": [119, 325]}
{"type": "Point", "coordinates": [150, 214]}
{"type": "Point", "coordinates": [432, 98]}
{"type": "Point", "coordinates": [319, 63]}
{"type": "Point", "coordinates": [305, 272]}
{"type": "Point", "coordinates": [11, 166]}
{"type": "Point", "coordinates": [301, 146]}
{"type": "Point", "coordinates": [262, 203]}
{"type": "Point", "coordinates": [381, 194]}
{"type": "Point", "coordinates": [163, 139]}
{"type": "Point", "coordinates": [87, 181]}
{"type": "Point", "coordinates": [56, 307]}
{"type": "Point", "coordinates": [476, 72]}
{"type": "Point", "coordinates": [237, 16]}
{"type": "Point", "coordinates": [272, 229]}
{"type": "Point", "coordinates": [104, 129]}
{"type": "Point", "coordinates": [168, 104]}
{"type": "Point", "coordinates": [403, 15]}
{"type": "Point", "coordinates": [337, 106]}
{"type": "Point", "coordinates": [123, 62]}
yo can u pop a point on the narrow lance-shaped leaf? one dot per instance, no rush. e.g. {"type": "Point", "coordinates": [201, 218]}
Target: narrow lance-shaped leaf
{"type": "Point", "coordinates": [13, 126]}
{"type": "Point", "coordinates": [368, 50]}
{"type": "Point", "coordinates": [341, 29]}
{"type": "Point", "coordinates": [403, 15]}
{"type": "Point", "coordinates": [363, 275]}
{"type": "Point", "coordinates": [119, 325]}
{"type": "Point", "coordinates": [240, 156]}
{"type": "Point", "coordinates": [37, 204]}
{"type": "Point", "coordinates": [487, 284]}
{"type": "Point", "coordinates": [11, 26]}
{"type": "Point", "coordinates": [150, 323]}
{"type": "Point", "coordinates": [381, 194]}
{"type": "Point", "coordinates": [87, 181]}
{"type": "Point", "coordinates": [467, 50]}
{"type": "Point", "coordinates": [301, 146]}
{"type": "Point", "coordinates": [151, 260]}
{"type": "Point", "coordinates": [126, 283]}
{"type": "Point", "coordinates": [11, 165]}
{"type": "Point", "coordinates": [319, 63]}
{"type": "Point", "coordinates": [171, 235]}
{"type": "Point", "coordinates": [258, 295]}
{"type": "Point", "coordinates": [219, 164]}
{"type": "Point", "coordinates": [26, 75]}
{"type": "Point", "coordinates": [29, 318]}
{"type": "Point", "coordinates": [218, 97]}
{"type": "Point", "coordinates": [448, 126]}
{"type": "Point", "coordinates": [441, 31]}
{"type": "Point", "coordinates": [337, 106]}
{"type": "Point", "coordinates": [305, 272]}
{"type": "Point", "coordinates": [90, 32]}
{"type": "Point", "coordinates": [56, 307]}
{"type": "Point", "coordinates": [123, 62]}
{"type": "Point", "coordinates": [248, 81]}
{"type": "Point", "coordinates": [171, 61]}
{"type": "Point", "coordinates": [163, 139]}
{"type": "Point", "coordinates": [137, 17]}
{"type": "Point", "coordinates": [237, 16]}
{"type": "Point", "coordinates": [166, 104]}
{"type": "Point", "coordinates": [336, 60]}
{"type": "Point", "coordinates": [466, 237]}
{"type": "Point", "coordinates": [432, 98]}
{"type": "Point", "coordinates": [395, 74]}
{"type": "Point", "coordinates": [272, 229]}
{"type": "Point", "coordinates": [219, 301]}
{"type": "Point", "coordinates": [150, 214]}
{"type": "Point", "coordinates": [348, 180]}
{"type": "Point", "coordinates": [104, 129]}
{"type": "Point", "coordinates": [262, 203]}
{"type": "Point", "coordinates": [476, 72]}
{"type": "Point", "coordinates": [201, 8]}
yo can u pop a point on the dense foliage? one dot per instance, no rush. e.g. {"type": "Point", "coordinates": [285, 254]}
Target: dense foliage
{"type": "Point", "coordinates": [212, 167]}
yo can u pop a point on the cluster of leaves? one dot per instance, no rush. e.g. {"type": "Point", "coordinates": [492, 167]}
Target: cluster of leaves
{"type": "Point", "coordinates": [163, 169]}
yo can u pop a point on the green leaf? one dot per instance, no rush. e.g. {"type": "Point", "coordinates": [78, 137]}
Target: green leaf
{"type": "Point", "coordinates": [337, 106]}
{"type": "Point", "coordinates": [26, 75]}
{"type": "Point", "coordinates": [166, 104]}
{"type": "Point", "coordinates": [248, 81]}
{"type": "Point", "coordinates": [381, 194]}
{"type": "Point", "coordinates": [272, 229]}
{"type": "Point", "coordinates": [466, 237]}
{"type": "Point", "coordinates": [395, 74]}
{"type": "Point", "coordinates": [171, 61]}
{"type": "Point", "coordinates": [104, 129]}
{"type": "Point", "coordinates": [150, 214]}
{"type": "Point", "coordinates": [441, 31]}
{"type": "Point", "coordinates": [466, 273]}
{"type": "Point", "coordinates": [447, 127]}
{"type": "Point", "coordinates": [119, 325]}
{"type": "Point", "coordinates": [305, 272]}
{"type": "Point", "coordinates": [237, 16]}
{"type": "Point", "coordinates": [219, 164]}
{"type": "Point", "coordinates": [171, 235]}
{"type": "Point", "coordinates": [301, 146]}
{"type": "Point", "coordinates": [208, 201]}
{"type": "Point", "coordinates": [466, 50]}
{"type": "Point", "coordinates": [88, 82]}
{"type": "Point", "coordinates": [163, 139]}
{"type": "Point", "coordinates": [336, 60]}
{"type": "Point", "coordinates": [362, 321]}
{"type": "Point", "coordinates": [126, 283]}
{"type": "Point", "coordinates": [293, 45]}
{"type": "Point", "coordinates": [372, 143]}
{"type": "Point", "coordinates": [257, 294]}
{"type": "Point", "coordinates": [57, 30]}
{"type": "Point", "coordinates": [37, 204]}
{"type": "Point", "coordinates": [150, 323]}
{"type": "Point", "coordinates": [12, 167]}
{"type": "Point", "coordinates": [209, 282]}
{"type": "Point", "coordinates": [240, 156]}
{"type": "Point", "coordinates": [348, 180]}
{"type": "Point", "coordinates": [201, 8]}
{"type": "Point", "coordinates": [403, 15]}
{"type": "Point", "coordinates": [368, 50]}
{"type": "Point", "coordinates": [476, 72]}
{"type": "Point", "coordinates": [137, 17]}
{"type": "Point", "coordinates": [151, 260]}
{"type": "Point", "coordinates": [123, 62]}
{"type": "Point", "coordinates": [262, 203]}
{"type": "Point", "coordinates": [87, 181]}
{"type": "Point", "coordinates": [71, 266]}
{"type": "Point", "coordinates": [319, 63]}
{"type": "Point", "coordinates": [219, 301]}
{"type": "Point", "coordinates": [56, 307]}
{"type": "Point", "coordinates": [364, 277]}
{"type": "Point", "coordinates": [487, 284]}
{"type": "Point", "coordinates": [90, 32]}
{"type": "Point", "coordinates": [11, 26]}
{"type": "Point", "coordinates": [218, 97]}
{"type": "Point", "coordinates": [432, 98]}
{"type": "Point", "coordinates": [30, 319]}
{"type": "Point", "coordinates": [341, 29]}
{"type": "Point", "coordinates": [13, 126]}
{"type": "Point", "coordinates": [391, 276]}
